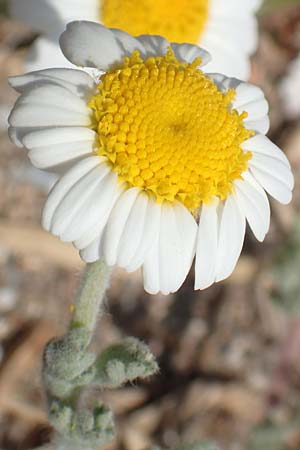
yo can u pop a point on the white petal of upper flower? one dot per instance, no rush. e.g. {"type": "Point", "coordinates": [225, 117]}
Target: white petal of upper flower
{"type": "Point", "coordinates": [169, 260]}
{"type": "Point", "coordinates": [76, 81]}
{"type": "Point", "coordinates": [207, 246]}
{"type": "Point", "coordinates": [44, 53]}
{"type": "Point", "coordinates": [254, 204]}
{"type": "Point", "coordinates": [89, 44]}
{"type": "Point", "coordinates": [241, 8]}
{"type": "Point", "coordinates": [231, 238]}
{"type": "Point", "coordinates": [50, 16]}
{"type": "Point", "coordinates": [230, 35]}
{"type": "Point", "coordinates": [225, 59]}
{"type": "Point", "coordinates": [188, 53]}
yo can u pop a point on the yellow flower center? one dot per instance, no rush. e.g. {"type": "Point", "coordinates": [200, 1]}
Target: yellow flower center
{"type": "Point", "coordinates": [165, 127]}
{"type": "Point", "coordinates": [178, 20]}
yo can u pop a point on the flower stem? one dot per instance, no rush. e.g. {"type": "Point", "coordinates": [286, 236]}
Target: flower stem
{"type": "Point", "coordinates": [69, 366]}
{"type": "Point", "coordinates": [88, 302]}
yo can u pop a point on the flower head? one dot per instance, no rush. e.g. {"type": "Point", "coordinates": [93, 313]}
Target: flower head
{"type": "Point", "coordinates": [161, 161]}
{"type": "Point", "coordinates": [227, 29]}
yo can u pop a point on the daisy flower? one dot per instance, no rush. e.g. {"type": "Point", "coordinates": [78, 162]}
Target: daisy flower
{"type": "Point", "coordinates": [158, 160]}
{"type": "Point", "coordinates": [225, 28]}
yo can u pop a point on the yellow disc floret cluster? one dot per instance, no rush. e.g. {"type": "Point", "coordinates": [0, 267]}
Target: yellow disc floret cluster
{"type": "Point", "coordinates": [178, 20]}
{"type": "Point", "coordinates": [166, 128]}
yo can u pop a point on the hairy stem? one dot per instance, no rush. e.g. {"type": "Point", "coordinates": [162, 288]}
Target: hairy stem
{"type": "Point", "coordinates": [88, 302]}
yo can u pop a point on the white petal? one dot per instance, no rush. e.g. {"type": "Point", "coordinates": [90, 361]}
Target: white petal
{"type": "Point", "coordinates": [188, 53]}
{"type": "Point", "coordinates": [230, 35]}
{"type": "Point", "coordinates": [95, 210]}
{"type": "Point", "coordinates": [225, 58]}
{"type": "Point", "coordinates": [231, 238]}
{"type": "Point", "coordinates": [50, 15]}
{"type": "Point", "coordinates": [53, 95]}
{"type": "Point", "coordinates": [245, 93]}
{"type": "Point", "coordinates": [207, 246]}
{"type": "Point", "coordinates": [261, 145]}
{"type": "Point", "coordinates": [74, 202]}
{"type": "Point", "coordinates": [38, 14]}
{"type": "Point", "coordinates": [116, 224]}
{"type": "Point", "coordinates": [273, 167]}
{"type": "Point", "coordinates": [127, 42]}
{"type": "Point", "coordinates": [48, 106]}
{"type": "Point", "coordinates": [132, 235]}
{"type": "Point", "coordinates": [62, 187]}
{"type": "Point", "coordinates": [76, 81]}
{"type": "Point", "coordinates": [187, 229]}
{"type": "Point", "coordinates": [16, 134]}
{"type": "Point", "coordinates": [45, 53]}
{"type": "Point", "coordinates": [260, 125]}
{"type": "Point", "coordinates": [254, 204]}
{"type": "Point", "coordinates": [248, 98]}
{"type": "Point", "coordinates": [153, 45]}
{"type": "Point", "coordinates": [148, 234]}
{"type": "Point", "coordinates": [151, 268]}
{"type": "Point", "coordinates": [256, 109]}
{"type": "Point", "coordinates": [273, 185]}
{"type": "Point", "coordinates": [93, 252]}
{"type": "Point", "coordinates": [89, 44]}
{"type": "Point", "coordinates": [56, 146]}
{"type": "Point", "coordinates": [169, 260]}
{"type": "Point", "coordinates": [251, 99]}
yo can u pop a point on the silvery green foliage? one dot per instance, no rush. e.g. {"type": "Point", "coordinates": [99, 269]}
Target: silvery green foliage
{"type": "Point", "coordinates": [69, 367]}
{"type": "Point", "coordinates": [68, 364]}
{"type": "Point", "coordinates": [124, 362]}
{"type": "Point", "coordinates": [84, 429]}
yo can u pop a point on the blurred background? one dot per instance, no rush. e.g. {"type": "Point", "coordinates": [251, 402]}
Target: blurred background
{"type": "Point", "coordinates": [229, 356]}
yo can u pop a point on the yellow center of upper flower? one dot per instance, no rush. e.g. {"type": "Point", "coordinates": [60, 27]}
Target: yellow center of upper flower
{"type": "Point", "coordinates": [178, 20]}
{"type": "Point", "coordinates": [165, 127]}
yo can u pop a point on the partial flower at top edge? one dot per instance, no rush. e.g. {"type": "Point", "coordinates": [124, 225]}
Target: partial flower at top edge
{"type": "Point", "coordinates": [228, 30]}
